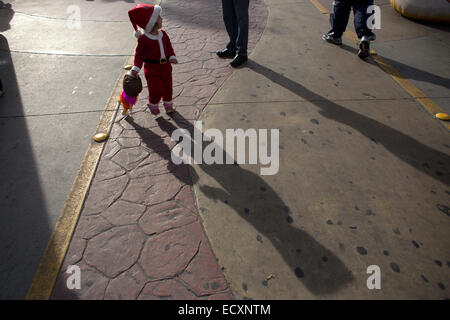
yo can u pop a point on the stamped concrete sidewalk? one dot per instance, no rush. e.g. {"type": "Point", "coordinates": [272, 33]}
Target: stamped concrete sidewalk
{"type": "Point", "coordinates": [364, 177]}
{"type": "Point", "coordinates": [139, 235]}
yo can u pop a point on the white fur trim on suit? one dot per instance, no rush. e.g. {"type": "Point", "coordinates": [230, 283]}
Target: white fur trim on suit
{"type": "Point", "coordinates": [161, 46]}
{"type": "Point", "coordinates": [159, 38]}
{"type": "Point", "coordinates": [137, 69]}
{"type": "Point", "coordinates": [153, 19]}
{"type": "Point", "coordinates": [151, 36]}
{"type": "Point", "coordinates": [172, 58]}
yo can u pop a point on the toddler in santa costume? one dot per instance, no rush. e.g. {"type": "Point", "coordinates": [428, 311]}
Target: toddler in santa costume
{"type": "Point", "coordinates": [155, 51]}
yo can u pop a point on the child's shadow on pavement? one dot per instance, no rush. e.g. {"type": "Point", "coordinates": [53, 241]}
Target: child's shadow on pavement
{"type": "Point", "coordinates": [154, 142]}
{"type": "Point", "coordinates": [318, 268]}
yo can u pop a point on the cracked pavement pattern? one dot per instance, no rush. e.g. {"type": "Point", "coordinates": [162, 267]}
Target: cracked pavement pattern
{"type": "Point", "coordinates": [139, 235]}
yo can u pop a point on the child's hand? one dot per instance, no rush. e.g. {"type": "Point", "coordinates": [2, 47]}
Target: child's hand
{"type": "Point", "coordinates": [174, 61]}
{"type": "Point", "coordinates": [134, 73]}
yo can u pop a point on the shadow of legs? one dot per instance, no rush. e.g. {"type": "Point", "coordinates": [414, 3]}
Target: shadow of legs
{"type": "Point", "coordinates": [319, 269]}
{"type": "Point", "coordinates": [423, 158]}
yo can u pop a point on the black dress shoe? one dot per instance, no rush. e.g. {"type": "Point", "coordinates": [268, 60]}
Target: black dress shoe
{"type": "Point", "coordinates": [238, 60]}
{"type": "Point", "coordinates": [225, 53]}
{"type": "Point", "coordinates": [364, 49]}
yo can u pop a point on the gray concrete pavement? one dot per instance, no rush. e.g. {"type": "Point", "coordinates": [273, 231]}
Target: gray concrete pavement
{"type": "Point", "coordinates": [363, 180]}
{"type": "Point", "coordinates": [419, 50]}
{"type": "Point", "coordinates": [57, 81]}
{"type": "Point", "coordinates": [364, 169]}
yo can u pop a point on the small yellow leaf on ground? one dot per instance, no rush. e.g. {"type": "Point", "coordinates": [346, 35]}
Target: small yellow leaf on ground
{"type": "Point", "coordinates": [99, 137]}
{"type": "Point", "coordinates": [442, 116]}
{"type": "Point", "coordinates": [270, 276]}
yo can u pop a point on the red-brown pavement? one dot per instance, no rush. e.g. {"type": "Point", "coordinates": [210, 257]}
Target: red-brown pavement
{"type": "Point", "coordinates": [139, 235]}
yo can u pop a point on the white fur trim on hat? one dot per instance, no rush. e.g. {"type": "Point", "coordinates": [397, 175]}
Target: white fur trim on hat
{"type": "Point", "coordinates": [151, 23]}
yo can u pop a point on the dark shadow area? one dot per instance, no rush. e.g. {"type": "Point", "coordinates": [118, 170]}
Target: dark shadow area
{"type": "Point", "coordinates": [195, 13]}
{"type": "Point", "coordinates": [128, 1]}
{"type": "Point", "coordinates": [405, 70]}
{"type": "Point", "coordinates": [350, 49]}
{"type": "Point", "coordinates": [24, 226]}
{"type": "Point", "coordinates": [154, 142]}
{"type": "Point", "coordinates": [417, 74]}
{"type": "Point", "coordinates": [192, 12]}
{"type": "Point", "coordinates": [432, 162]}
{"type": "Point", "coordinates": [6, 15]}
{"type": "Point", "coordinates": [318, 268]}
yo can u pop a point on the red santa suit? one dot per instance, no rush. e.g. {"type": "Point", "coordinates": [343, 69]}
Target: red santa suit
{"type": "Point", "coordinates": [155, 52]}
{"type": "Point", "coordinates": [153, 48]}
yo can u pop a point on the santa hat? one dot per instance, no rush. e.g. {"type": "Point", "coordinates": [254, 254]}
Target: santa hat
{"type": "Point", "coordinates": [144, 16]}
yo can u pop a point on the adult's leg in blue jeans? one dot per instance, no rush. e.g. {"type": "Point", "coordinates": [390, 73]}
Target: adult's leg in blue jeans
{"type": "Point", "coordinates": [361, 17]}
{"type": "Point", "coordinates": [231, 24]}
{"type": "Point", "coordinates": [241, 7]}
{"type": "Point", "coordinates": [339, 17]}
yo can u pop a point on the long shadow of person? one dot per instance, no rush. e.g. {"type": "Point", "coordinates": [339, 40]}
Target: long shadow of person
{"type": "Point", "coordinates": [24, 223]}
{"type": "Point", "coordinates": [317, 267]}
{"type": "Point", "coordinates": [6, 15]}
{"type": "Point", "coordinates": [154, 142]}
{"type": "Point", "coordinates": [430, 161]}
{"type": "Point", "coordinates": [406, 70]}
{"type": "Point", "coordinates": [418, 74]}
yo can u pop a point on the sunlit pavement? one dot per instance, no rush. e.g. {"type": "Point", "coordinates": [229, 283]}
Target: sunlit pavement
{"type": "Point", "coordinates": [363, 174]}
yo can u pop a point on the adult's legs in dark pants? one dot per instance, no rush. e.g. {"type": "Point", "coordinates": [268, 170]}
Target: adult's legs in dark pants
{"type": "Point", "coordinates": [339, 20]}
{"type": "Point", "coordinates": [361, 18]}
{"type": "Point", "coordinates": [241, 7]}
{"type": "Point", "coordinates": [339, 17]}
{"type": "Point", "coordinates": [230, 20]}
{"type": "Point", "coordinates": [235, 17]}
{"type": "Point", "coordinates": [362, 30]}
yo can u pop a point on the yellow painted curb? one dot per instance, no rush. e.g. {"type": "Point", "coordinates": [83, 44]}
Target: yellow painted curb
{"type": "Point", "coordinates": [320, 7]}
{"type": "Point", "coordinates": [443, 116]}
{"type": "Point", "coordinates": [46, 274]}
